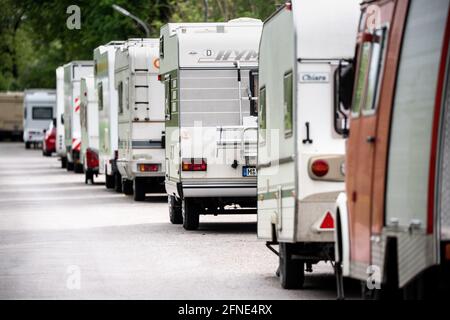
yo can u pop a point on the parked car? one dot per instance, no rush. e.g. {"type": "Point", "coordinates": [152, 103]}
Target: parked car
{"type": "Point", "coordinates": [49, 145]}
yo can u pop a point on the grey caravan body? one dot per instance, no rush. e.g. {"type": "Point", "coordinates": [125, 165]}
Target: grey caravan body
{"type": "Point", "coordinates": [209, 70]}
{"type": "Point", "coordinates": [39, 109]}
{"type": "Point", "coordinates": [73, 72]}
{"type": "Point", "coordinates": [104, 57]}
{"type": "Point", "coordinates": [141, 158]}
{"type": "Point", "coordinates": [301, 154]}
{"type": "Point", "coordinates": [60, 143]}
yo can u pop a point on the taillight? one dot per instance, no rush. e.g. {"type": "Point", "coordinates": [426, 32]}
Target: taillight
{"type": "Point", "coordinates": [327, 222]}
{"type": "Point", "coordinates": [320, 168]}
{"type": "Point", "coordinates": [194, 164]}
{"type": "Point", "coordinates": [159, 77]}
{"type": "Point", "coordinates": [92, 159]}
{"type": "Point", "coordinates": [143, 167]}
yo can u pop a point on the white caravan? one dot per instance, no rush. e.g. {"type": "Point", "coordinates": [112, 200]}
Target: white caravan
{"type": "Point", "coordinates": [60, 144]}
{"type": "Point", "coordinates": [89, 128]}
{"type": "Point", "coordinates": [141, 159]}
{"type": "Point", "coordinates": [73, 72]}
{"type": "Point", "coordinates": [39, 108]}
{"type": "Point", "coordinates": [300, 149]}
{"type": "Point", "coordinates": [104, 57]}
{"type": "Point", "coordinates": [209, 71]}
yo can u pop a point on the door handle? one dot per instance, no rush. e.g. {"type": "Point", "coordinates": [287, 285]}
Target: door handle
{"type": "Point", "coordinates": [371, 139]}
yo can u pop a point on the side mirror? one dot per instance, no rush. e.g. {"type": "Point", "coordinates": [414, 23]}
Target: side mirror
{"type": "Point", "coordinates": [344, 79]}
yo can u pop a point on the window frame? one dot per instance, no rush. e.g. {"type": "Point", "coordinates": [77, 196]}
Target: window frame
{"type": "Point", "coordinates": [33, 117]}
{"type": "Point", "coordinates": [288, 132]}
{"type": "Point", "coordinates": [100, 96]}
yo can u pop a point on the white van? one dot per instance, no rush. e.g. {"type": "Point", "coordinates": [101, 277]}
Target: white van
{"type": "Point", "coordinates": [104, 57]}
{"type": "Point", "coordinates": [39, 108]}
{"type": "Point", "coordinates": [60, 143]}
{"type": "Point", "coordinates": [209, 70]}
{"type": "Point", "coordinates": [73, 72]}
{"type": "Point", "coordinates": [301, 151]}
{"type": "Point", "coordinates": [141, 160]}
{"type": "Point", "coordinates": [89, 128]}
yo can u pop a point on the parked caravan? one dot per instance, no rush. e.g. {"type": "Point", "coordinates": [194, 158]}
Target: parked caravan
{"type": "Point", "coordinates": [89, 128]}
{"type": "Point", "coordinates": [209, 70]}
{"type": "Point", "coordinates": [141, 158]}
{"type": "Point", "coordinates": [300, 151]}
{"type": "Point", "coordinates": [11, 115]}
{"type": "Point", "coordinates": [393, 223]}
{"type": "Point", "coordinates": [104, 57]}
{"type": "Point", "coordinates": [73, 72]}
{"type": "Point", "coordinates": [60, 143]}
{"type": "Point", "coordinates": [39, 106]}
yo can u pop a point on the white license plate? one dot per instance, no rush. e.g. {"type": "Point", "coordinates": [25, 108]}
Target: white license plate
{"type": "Point", "coordinates": [249, 172]}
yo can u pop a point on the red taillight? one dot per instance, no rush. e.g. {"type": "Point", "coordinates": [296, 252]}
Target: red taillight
{"type": "Point", "coordinates": [288, 6]}
{"type": "Point", "coordinates": [327, 222]}
{"type": "Point", "coordinates": [194, 164]}
{"type": "Point", "coordinates": [143, 167]}
{"type": "Point", "coordinates": [320, 168]}
{"type": "Point", "coordinates": [91, 159]}
{"type": "Point", "coordinates": [159, 77]}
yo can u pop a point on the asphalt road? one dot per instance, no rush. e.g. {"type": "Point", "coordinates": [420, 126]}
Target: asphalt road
{"type": "Point", "coordinates": [62, 239]}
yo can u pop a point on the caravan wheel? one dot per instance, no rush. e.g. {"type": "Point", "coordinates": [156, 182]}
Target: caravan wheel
{"type": "Point", "coordinates": [70, 166]}
{"type": "Point", "coordinates": [118, 182]}
{"type": "Point", "coordinates": [109, 181]}
{"type": "Point", "coordinates": [191, 218]}
{"type": "Point", "coordinates": [127, 187]}
{"type": "Point", "coordinates": [139, 189]}
{"type": "Point", "coordinates": [292, 272]}
{"type": "Point", "coordinates": [175, 211]}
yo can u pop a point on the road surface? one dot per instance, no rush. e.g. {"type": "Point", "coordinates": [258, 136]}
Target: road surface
{"type": "Point", "coordinates": [62, 239]}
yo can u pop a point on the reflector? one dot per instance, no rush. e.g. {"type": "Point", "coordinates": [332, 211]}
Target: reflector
{"type": "Point", "coordinates": [327, 222]}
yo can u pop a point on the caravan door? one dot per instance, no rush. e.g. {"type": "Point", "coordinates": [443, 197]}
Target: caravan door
{"type": "Point", "coordinates": [363, 143]}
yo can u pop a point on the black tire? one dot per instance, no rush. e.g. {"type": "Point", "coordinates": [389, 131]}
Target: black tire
{"type": "Point", "coordinates": [118, 182]}
{"type": "Point", "coordinates": [175, 210]}
{"type": "Point", "coordinates": [127, 187]}
{"type": "Point", "coordinates": [63, 162]}
{"type": "Point", "coordinates": [191, 217]}
{"type": "Point", "coordinates": [138, 190]}
{"type": "Point", "coordinates": [78, 168]}
{"type": "Point", "coordinates": [88, 176]}
{"type": "Point", "coordinates": [27, 145]}
{"type": "Point", "coordinates": [70, 166]}
{"type": "Point", "coordinates": [292, 271]}
{"type": "Point", "coordinates": [109, 181]}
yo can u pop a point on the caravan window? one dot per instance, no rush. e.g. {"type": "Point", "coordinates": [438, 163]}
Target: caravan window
{"type": "Point", "coordinates": [120, 93]}
{"type": "Point", "coordinates": [361, 78]}
{"type": "Point", "coordinates": [100, 96]}
{"type": "Point", "coordinates": [262, 108]}
{"type": "Point", "coordinates": [375, 69]}
{"type": "Point", "coordinates": [42, 113]}
{"type": "Point", "coordinates": [288, 104]}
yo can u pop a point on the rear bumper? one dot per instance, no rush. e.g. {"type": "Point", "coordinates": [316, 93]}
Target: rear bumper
{"type": "Point", "coordinates": [207, 189]}
{"type": "Point", "coordinates": [129, 169]}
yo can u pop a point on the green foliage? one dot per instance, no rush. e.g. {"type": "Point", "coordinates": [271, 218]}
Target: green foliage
{"type": "Point", "coordinates": [34, 39]}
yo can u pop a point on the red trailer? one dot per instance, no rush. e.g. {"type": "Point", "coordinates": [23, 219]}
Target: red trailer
{"type": "Point", "coordinates": [393, 222]}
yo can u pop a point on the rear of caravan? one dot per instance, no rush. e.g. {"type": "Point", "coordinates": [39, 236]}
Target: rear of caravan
{"type": "Point", "coordinates": [39, 109]}
{"type": "Point", "coordinates": [301, 151]}
{"type": "Point", "coordinates": [73, 72]}
{"type": "Point", "coordinates": [141, 156]}
{"type": "Point", "coordinates": [11, 115]}
{"type": "Point", "coordinates": [60, 143]}
{"type": "Point", "coordinates": [89, 128]}
{"type": "Point", "coordinates": [104, 57]}
{"type": "Point", "coordinates": [209, 71]}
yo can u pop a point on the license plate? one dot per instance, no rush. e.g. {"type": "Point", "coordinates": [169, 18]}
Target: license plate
{"type": "Point", "coordinates": [249, 172]}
